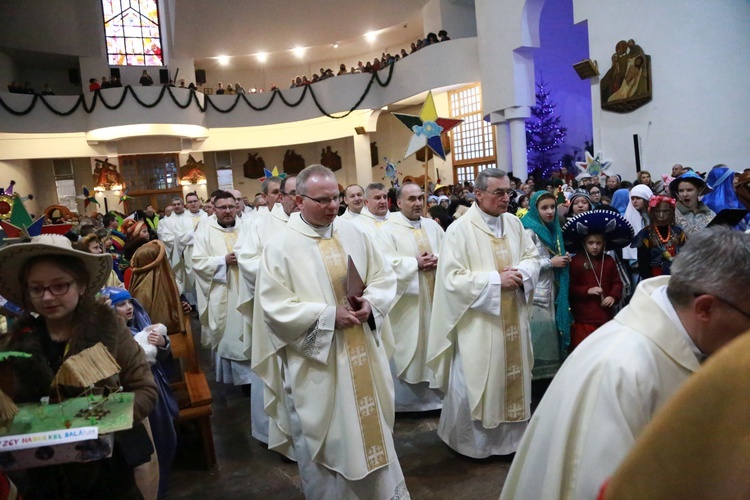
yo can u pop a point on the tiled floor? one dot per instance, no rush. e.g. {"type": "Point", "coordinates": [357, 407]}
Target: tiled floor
{"type": "Point", "coordinates": [248, 470]}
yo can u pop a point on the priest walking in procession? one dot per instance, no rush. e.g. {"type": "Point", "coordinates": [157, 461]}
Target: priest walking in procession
{"type": "Point", "coordinates": [480, 344]}
{"type": "Point", "coordinates": [334, 377]}
{"type": "Point", "coordinates": [177, 233]}
{"type": "Point", "coordinates": [415, 242]}
{"type": "Point", "coordinates": [217, 274]}
{"type": "Point", "coordinates": [255, 235]}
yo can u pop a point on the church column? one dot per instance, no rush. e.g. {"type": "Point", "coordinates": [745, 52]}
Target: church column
{"type": "Point", "coordinates": [363, 161]}
{"type": "Point", "coordinates": [502, 143]}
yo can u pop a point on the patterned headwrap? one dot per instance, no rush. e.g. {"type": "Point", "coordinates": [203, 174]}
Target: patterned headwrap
{"type": "Point", "coordinates": [656, 199]}
{"type": "Point", "coordinates": [551, 235]}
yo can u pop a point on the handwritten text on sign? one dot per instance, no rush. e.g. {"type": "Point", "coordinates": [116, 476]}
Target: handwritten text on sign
{"type": "Point", "coordinates": [51, 438]}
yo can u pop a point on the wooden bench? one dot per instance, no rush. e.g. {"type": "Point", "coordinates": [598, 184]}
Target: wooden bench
{"type": "Point", "coordinates": [192, 391]}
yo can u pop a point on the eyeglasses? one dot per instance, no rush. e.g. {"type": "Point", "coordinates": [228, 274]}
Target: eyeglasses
{"type": "Point", "coordinates": [745, 314]}
{"type": "Point", "coordinates": [225, 209]}
{"type": "Point", "coordinates": [321, 201]}
{"type": "Point", "coordinates": [37, 291]}
{"type": "Point", "coordinates": [290, 193]}
{"type": "Point", "coordinates": [498, 193]}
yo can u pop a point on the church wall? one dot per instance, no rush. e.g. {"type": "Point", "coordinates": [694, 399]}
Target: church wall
{"type": "Point", "coordinates": [26, 182]}
{"type": "Point", "coordinates": [697, 116]}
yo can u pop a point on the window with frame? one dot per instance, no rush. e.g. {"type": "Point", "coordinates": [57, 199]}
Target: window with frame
{"type": "Point", "coordinates": [132, 32]}
{"type": "Point", "coordinates": [473, 141]}
{"type": "Point", "coordinates": [65, 184]}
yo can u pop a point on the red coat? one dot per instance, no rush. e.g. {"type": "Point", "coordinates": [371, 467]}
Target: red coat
{"type": "Point", "coordinates": [587, 308]}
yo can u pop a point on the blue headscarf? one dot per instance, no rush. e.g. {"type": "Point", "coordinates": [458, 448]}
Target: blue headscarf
{"type": "Point", "coordinates": [140, 317]}
{"type": "Point", "coordinates": [721, 179]}
{"type": "Point", "coordinates": [620, 200]}
{"type": "Point", "coordinates": [551, 235]}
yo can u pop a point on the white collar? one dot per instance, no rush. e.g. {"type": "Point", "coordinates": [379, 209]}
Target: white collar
{"type": "Point", "coordinates": [494, 223]}
{"type": "Point", "coordinates": [662, 300]}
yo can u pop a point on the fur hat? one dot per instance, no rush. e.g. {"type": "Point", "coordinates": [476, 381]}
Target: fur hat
{"type": "Point", "coordinates": [14, 257]}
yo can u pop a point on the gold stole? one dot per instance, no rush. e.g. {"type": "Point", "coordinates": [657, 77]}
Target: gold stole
{"type": "Point", "coordinates": [374, 449]}
{"type": "Point", "coordinates": [196, 220]}
{"type": "Point", "coordinates": [423, 245]}
{"type": "Point", "coordinates": [515, 407]}
{"type": "Point", "coordinates": [230, 238]}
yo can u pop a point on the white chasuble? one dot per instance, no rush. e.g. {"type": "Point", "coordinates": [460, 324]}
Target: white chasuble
{"type": "Point", "coordinates": [494, 342]}
{"type": "Point", "coordinates": [410, 316]}
{"type": "Point", "coordinates": [219, 285]}
{"type": "Point", "coordinates": [339, 380]}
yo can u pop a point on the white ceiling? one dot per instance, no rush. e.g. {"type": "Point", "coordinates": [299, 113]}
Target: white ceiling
{"type": "Point", "coordinates": [242, 29]}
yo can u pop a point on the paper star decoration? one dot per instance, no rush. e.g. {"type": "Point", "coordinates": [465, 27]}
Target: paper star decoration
{"type": "Point", "coordinates": [593, 165]}
{"type": "Point", "coordinates": [272, 173]}
{"type": "Point", "coordinates": [428, 128]}
{"type": "Point", "coordinates": [87, 197]}
{"type": "Point", "coordinates": [124, 196]}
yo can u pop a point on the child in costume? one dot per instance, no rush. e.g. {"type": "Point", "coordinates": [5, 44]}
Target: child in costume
{"type": "Point", "coordinates": [595, 285]}
{"type": "Point", "coordinates": [156, 345]}
{"type": "Point", "coordinates": [659, 242]}
{"type": "Point", "coordinates": [550, 312]}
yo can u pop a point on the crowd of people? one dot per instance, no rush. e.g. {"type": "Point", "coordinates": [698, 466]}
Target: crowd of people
{"type": "Point", "coordinates": [376, 64]}
{"type": "Point", "coordinates": [335, 309]}
{"type": "Point", "coordinates": [26, 88]}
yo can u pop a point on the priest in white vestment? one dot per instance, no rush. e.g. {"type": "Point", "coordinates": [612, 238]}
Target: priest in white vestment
{"type": "Point", "coordinates": [354, 199]}
{"type": "Point", "coordinates": [416, 242]}
{"type": "Point", "coordinates": [376, 203]}
{"type": "Point", "coordinates": [218, 276]}
{"type": "Point", "coordinates": [335, 380]}
{"type": "Point", "coordinates": [253, 238]}
{"type": "Point", "coordinates": [611, 385]}
{"type": "Point", "coordinates": [486, 274]}
{"type": "Point", "coordinates": [177, 233]}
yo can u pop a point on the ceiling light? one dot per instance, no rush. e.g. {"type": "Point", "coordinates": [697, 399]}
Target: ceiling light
{"type": "Point", "coordinates": [371, 36]}
{"type": "Point", "coordinates": [262, 57]}
{"type": "Point", "coordinates": [223, 60]}
{"type": "Point", "coordinates": [299, 52]}
{"type": "Point", "coordinates": [336, 45]}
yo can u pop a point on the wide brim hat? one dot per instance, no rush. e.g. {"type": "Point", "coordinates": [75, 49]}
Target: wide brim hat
{"type": "Point", "coordinates": [618, 233]}
{"type": "Point", "coordinates": [14, 257]}
{"type": "Point", "coordinates": [692, 178]}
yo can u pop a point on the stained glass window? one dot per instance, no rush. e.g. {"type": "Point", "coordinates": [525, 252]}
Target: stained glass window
{"type": "Point", "coordinates": [473, 141]}
{"type": "Point", "coordinates": [131, 30]}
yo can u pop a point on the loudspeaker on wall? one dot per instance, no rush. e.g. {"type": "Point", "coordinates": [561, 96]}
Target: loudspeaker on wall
{"type": "Point", "coordinates": [200, 76]}
{"type": "Point", "coordinates": [74, 76]}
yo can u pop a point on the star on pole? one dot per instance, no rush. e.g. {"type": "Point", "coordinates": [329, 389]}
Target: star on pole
{"type": "Point", "coordinates": [428, 128]}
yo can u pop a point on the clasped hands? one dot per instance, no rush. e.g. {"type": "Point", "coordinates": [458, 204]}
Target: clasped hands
{"type": "Point", "coordinates": [511, 279]}
{"type": "Point", "coordinates": [346, 316]}
{"type": "Point", "coordinates": [426, 261]}
{"type": "Point", "coordinates": [231, 259]}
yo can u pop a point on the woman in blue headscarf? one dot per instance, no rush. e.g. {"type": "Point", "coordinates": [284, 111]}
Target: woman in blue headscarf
{"type": "Point", "coordinates": [550, 312]}
{"type": "Point", "coordinates": [620, 200]}
{"type": "Point", "coordinates": [721, 180]}
{"type": "Point", "coordinates": [166, 410]}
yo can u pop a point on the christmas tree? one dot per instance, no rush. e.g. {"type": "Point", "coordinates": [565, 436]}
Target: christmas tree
{"type": "Point", "coordinates": [544, 135]}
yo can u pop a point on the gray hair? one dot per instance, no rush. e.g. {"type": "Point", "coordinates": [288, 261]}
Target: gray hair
{"type": "Point", "coordinates": [176, 198]}
{"type": "Point", "coordinates": [400, 189]}
{"type": "Point", "coordinates": [267, 181]}
{"type": "Point", "coordinates": [374, 186]}
{"type": "Point", "coordinates": [315, 170]}
{"type": "Point", "coordinates": [714, 261]}
{"type": "Point", "coordinates": [485, 175]}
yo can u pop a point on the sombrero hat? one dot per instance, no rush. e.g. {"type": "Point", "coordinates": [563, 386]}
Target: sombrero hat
{"type": "Point", "coordinates": [692, 178]}
{"type": "Point", "coordinates": [14, 257]}
{"type": "Point", "coordinates": [618, 233]}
